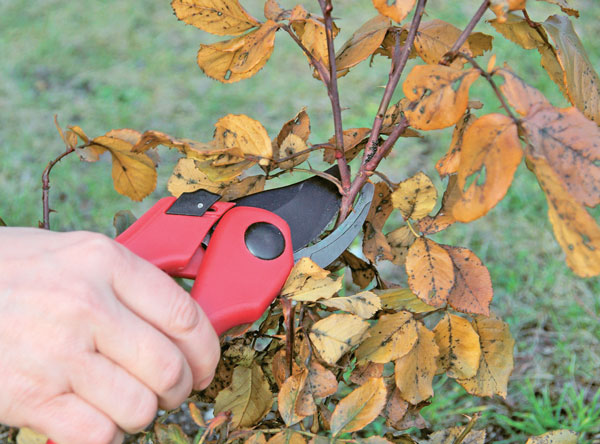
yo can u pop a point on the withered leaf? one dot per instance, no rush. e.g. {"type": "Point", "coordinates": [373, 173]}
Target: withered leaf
{"type": "Point", "coordinates": [362, 273]}
{"type": "Point", "coordinates": [196, 415]}
{"type": "Point", "coordinates": [397, 10]}
{"type": "Point", "coordinates": [390, 338]}
{"type": "Point", "coordinates": [292, 146]}
{"type": "Point", "coordinates": [333, 336]}
{"type": "Point", "coordinates": [375, 246]}
{"type": "Point", "coordinates": [581, 79]}
{"type": "Point", "coordinates": [171, 434]}
{"type": "Point", "coordinates": [312, 34]}
{"type": "Point", "coordinates": [449, 163]}
{"type": "Point", "coordinates": [320, 383]}
{"type": "Point", "coordinates": [359, 408]}
{"type": "Point", "coordinates": [400, 241]}
{"type": "Point", "coordinates": [564, 6]}
{"type": "Point", "coordinates": [496, 363]}
{"type": "Point", "coordinates": [575, 230]}
{"type": "Point", "coordinates": [395, 408]}
{"type": "Point", "coordinates": [134, 174]}
{"type": "Point", "coordinates": [362, 44]}
{"type": "Point", "coordinates": [122, 220]}
{"type": "Point", "coordinates": [522, 97]}
{"type": "Point", "coordinates": [402, 299]}
{"type": "Point", "coordinates": [459, 347]}
{"type": "Point", "coordinates": [364, 304]}
{"type": "Point", "coordinates": [570, 143]}
{"type": "Point", "coordinates": [365, 371]}
{"type": "Point", "coordinates": [248, 397]}
{"type": "Point", "coordinates": [289, 395]}
{"type": "Point", "coordinates": [273, 11]}
{"type": "Point", "coordinates": [415, 370]}
{"type": "Point", "coordinates": [256, 438]}
{"type": "Point", "coordinates": [491, 149]}
{"type": "Point", "coordinates": [240, 132]}
{"type": "Point", "coordinates": [472, 291]}
{"type": "Point", "coordinates": [554, 437]}
{"type": "Point", "coordinates": [303, 270]}
{"type": "Point", "coordinates": [430, 271]}
{"type": "Point", "coordinates": [352, 138]}
{"type": "Point", "coordinates": [415, 197]}
{"type": "Point", "coordinates": [501, 7]}
{"type": "Point", "coordinates": [287, 436]}
{"type": "Point", "coordinates": [299, 125]}
{"type": "Point", "coordinates": [219, 17]}
{"type": "Point", "coordinates": [449, 436]}
{"type": "Point", "coordinates": [444, 217]}
{"type": "Point", "coordinates": [28, 436]}
{"type": "Point", "coordinates": [439, 95]}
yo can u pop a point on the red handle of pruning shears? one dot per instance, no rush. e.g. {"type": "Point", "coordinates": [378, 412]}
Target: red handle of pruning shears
{"type": "Point", "coordinates": [233, 284]}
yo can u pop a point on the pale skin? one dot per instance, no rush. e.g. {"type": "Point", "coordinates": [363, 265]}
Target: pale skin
{"type": "Point", "coordinates": [93, 339]}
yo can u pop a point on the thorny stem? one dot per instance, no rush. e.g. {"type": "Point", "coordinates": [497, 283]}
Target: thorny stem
{"type": "Point", "coordinates": [459, 439]}
{"type": "Point", "coordinates": [334, 97]}
{"type": "Point", "coordinates": [452, 53]}
{"type": "Point", "coordinates": [46, 186]}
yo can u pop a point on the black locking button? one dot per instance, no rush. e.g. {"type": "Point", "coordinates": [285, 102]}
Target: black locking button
{"type": "Point", "coordinates": [264, 240]}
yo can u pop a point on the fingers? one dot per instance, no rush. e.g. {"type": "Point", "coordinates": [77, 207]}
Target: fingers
{"type": "Point", "coordinates": [147, 354]}
{"type": "Point", "coordinates": [171, 310]}
{"type": "Point", "coordinates": [110, 389]}
{"type": "Point", "coordinates": [67, 419]}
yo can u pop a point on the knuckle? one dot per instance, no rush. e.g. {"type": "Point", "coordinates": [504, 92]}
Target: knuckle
{"type": "Point", "coordinates": [99, 248]}
{"type": "Point", "coordinates": [171, 374]}
{"type": "Point", "coordinates": [142, 412]}
{"type": "Point", "coordinates": [184, 315]}
{"type": "Point", "coordinates": [105, 432]}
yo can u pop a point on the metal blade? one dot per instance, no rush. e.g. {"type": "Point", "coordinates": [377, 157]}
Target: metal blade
{"type": "Point", "coordinates": [307, 206]}
{"type": "Point", "coordinates": [326, 251]}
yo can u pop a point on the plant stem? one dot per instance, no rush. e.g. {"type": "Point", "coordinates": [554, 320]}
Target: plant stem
{"type": "Point", "coordinates": [452, 53]}
{"type": "Point", "coordinates": [460, 438]}
{"type": "Point", "coordinates": [46, 186]}
{"type": "Point", "coordinates": [334, 97]}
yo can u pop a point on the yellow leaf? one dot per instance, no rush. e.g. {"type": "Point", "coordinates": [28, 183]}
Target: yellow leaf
{"type": "Point", "coordinates": [287, 436]}
{"type": "Point", "coordinates": [392, 337]}
{"type": "Point", "coordinates": [248, 397]}
{"type": "Point", "coordinates": [320, 383]}
{"type": "Point", "coordinates": [449, 163]}
{"type": "Point", "coordinates": [362, 44]}
{"type": "Point", "coordinates": [256, 45]}
{"type": "Point", "coordinates": [472, 291]}
{"type": "Point", "coordinates": [444, 217]}
{"type": "Point", "coordinates": [415, 370]}
{"type": "Point", "coordinates": [397, 10]}
{"type": "Point", "coordinates": [439, 95]}
{"type": "Point", "coordinates": [292, 145]}
{"type": "Point", "coordinates": [240, 132]}
{"type": "Point", "coordinates": [459, 347]}
{"type": "Point", "coordinates": [496, 363]}
{"type": "Point", "coordinates": [333, 336]}
{"type": "Point", "coordinates": [570, 144]}
{"type": "Point", "coordinates": [402, 299]}
{"type": "Point", "coordinates": [501, 7]}
{"type": "Point", "coordinates": [256, 438]}
{"type": "Point", "coordinates": [299, 126]}
{"type": "Point", "coordinates": [28, 436]}
{"type": "Point", "coordinates": [555, 437]}
{"type": "Point", "coordinates": [581, 80]}
{"type": "Point", "coordinates": [359, 408]}
{"type": "Point", "coordinates": [491, 150]}
{"type": "Point", "coordinates": [364, 304]}
{"type": "Point", "coordinates": [315, 290]}
{"type": "Point", "coordinates": [219, 17]}
{"type": "Point", "coordinates": [430, 272]}
{"type": "Point", "coordinates": [312, 34]}
{"type": "Point", "coordinates": [400, 241]}
{"type": "Point", "coordinates": [134, 174]}
{"type": "Point", "coordinates": [352, 138]}
{"type": "Point", "coordinates": [449, 436]}
{"type": "Point", "coordinates": [575, 230]}
{"type": "Point", "coordinates": [303, 270]}
{"type": "Point", "coordinates": [415, 197]}
{"type": "Point", "coordinates": [272, 10]}
{"type": "Point", "coordinates": [522, 97]}
{"type": "Point", "coordinates": [288, 397]}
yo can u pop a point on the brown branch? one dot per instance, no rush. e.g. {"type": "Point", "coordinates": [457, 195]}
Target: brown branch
{"type": "Point", "coordinates": [453, 52]}
{"type": "Point", "coordinates": [46, 186]}
{"type": "Point", "coordinates": [320, 67]}
{"type": "Point", "coordinates": [460, 438]}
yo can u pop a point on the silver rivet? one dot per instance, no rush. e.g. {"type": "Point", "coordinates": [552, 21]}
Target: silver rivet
{"type": "Point", "coordinates": [200, 205]}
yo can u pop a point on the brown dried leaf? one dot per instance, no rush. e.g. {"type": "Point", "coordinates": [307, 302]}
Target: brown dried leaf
{"type": "Point", "coordinates": [249, 397]}
{"type": "Point", "coordinates": [472, 291]}
{"type": "Point", "coordinates": [570, 144]}
{"type": "Point", "coordinates": [575, 230]}
{"type": "Point", "coordinates": [402, 299]}
{"type": "Point", "coordinates": [491, 148]}
{"type": "Point", "coordinates": [480, 43]}
{"type": "Point", "coordinates": [352, 139]}
{"type": "Point", "coordinates": [395, 408]}
{"type": "Point", "coordinates": [287, 436]}
{"type": "Point", "coordinates": [359, 408]}
{"type": "Point", "coordinates": [496, 363]}
{"type": "Point", "coordinates": [170, 434]}
{"type": "Point", "coordinates": [392, 337]}
{"type": "Point", "coordinates": [449, 163]}
{"type": "Point", "coordinates": [400, 241]}
{"type": "Point", "coordinates": [449, 436]}
{"type": "Point", "coordinates": [362, 273]}
{"type": "Point", "coordinates": [581, 80]}
{"type": "Point", "coordinates": [415, 370]}
{"type": "Point", "coordinates": [362, 44]}
{"type": "Point", "coordinates": [375, 246]}
{"type": "Point", "coordinates": [444, 217]}
{"type": "Point", "coordinates": [289, 395]}
{"type": "Point", "coordinates": [397, 10]}
{"type": "Point", "coordinates": [564, 6]}
{"type": "Point", "coordinates": [256, 438]}
{"type": "Point", "coordinates": [439, 95]}
{"type": "Point", "coordinates": [430, 271]}
{"type": "Point", "coordinates": [272, 10]}
{"type": "Point", "coordinates": [299, 126]}
{"type": "Point", "coordinates": [219, 17]}
{"type": "Point", "coordinates": [320, 383]}
{"type": "Point", "coordinates": [459, 347]}
{"type": "Point", "coordinates": [292, 145]}
{"type": "Point", "coordinates": [435, 38]}
{"type": "Point", "coordinates": [554, 437]}
{"type": "Point", "coordinates": [333, 336]}
{"type": "Point", "coordinates": [415, 197]}
{"type": "Point", "coordinates": [364, 304]}
{"type": "Point", "coordinates": [365, 371]}
{"type": "Point", "coordinates": [134, 174]}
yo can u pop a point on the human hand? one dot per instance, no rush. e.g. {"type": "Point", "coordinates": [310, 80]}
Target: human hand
{"type": "Point", "coordinates": [93, 339]}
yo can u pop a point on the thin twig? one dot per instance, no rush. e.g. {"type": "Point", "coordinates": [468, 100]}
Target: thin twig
{"type": "Point", "coordinates": [460, 438]}
{"type": "Point", "coordinates": [451, 54]}
{"type": "Point", "coordinates": [46, 186]}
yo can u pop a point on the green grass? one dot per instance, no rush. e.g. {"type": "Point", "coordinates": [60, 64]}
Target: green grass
{"type": "Point", "coordinates": [115, 64]}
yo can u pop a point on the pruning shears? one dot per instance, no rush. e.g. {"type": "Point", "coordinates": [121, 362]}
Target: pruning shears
{"type": "Point", "coordinates": [240, 253]}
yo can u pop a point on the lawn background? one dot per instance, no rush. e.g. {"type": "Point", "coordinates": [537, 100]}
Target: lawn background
{"type": "Point", "coordinates": [130, 64]}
